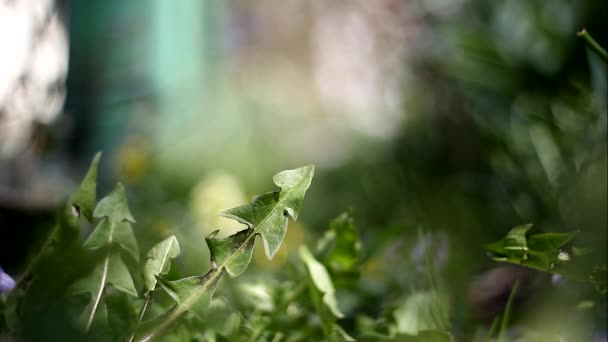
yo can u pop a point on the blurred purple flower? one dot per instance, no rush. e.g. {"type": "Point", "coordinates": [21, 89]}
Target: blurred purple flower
{"type": "Point", "coordinates": [6, 282]}
{"type": "Point", "coordinates": [434, 246]}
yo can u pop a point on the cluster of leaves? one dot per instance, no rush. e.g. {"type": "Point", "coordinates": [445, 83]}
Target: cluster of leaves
{"type": "Point", "coordinates": [98, 275]}
{"type": "Point", "coordinates": [549, 252]}
{"type": "Point", "coordinates": [111, 295]}
{"type": "Point", "coordinates": [105, 292]}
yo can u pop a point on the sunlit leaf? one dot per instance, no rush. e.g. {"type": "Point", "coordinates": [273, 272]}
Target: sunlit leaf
{"type": "Point", "coordinates": [267, 214]}
{"type": "Point", "coordinates": [158, 260]}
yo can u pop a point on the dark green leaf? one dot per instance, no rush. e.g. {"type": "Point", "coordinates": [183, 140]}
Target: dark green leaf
{"type": "Point", "coordinates": [549, 242]}
{"type": "Point", "coordinates": [234, 252]}
{"type": "Point", "coordinates": [85, 196]}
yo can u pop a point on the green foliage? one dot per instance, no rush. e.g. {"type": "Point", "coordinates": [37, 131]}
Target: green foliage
{"type": "Point", "coordinates": [547, 252]}
{"type": "Point", "coordinates": [265, 216]}
{"type": "Point", "coordinates": [112, 233]}
{"type": "Point", "coordinates": [340, 247]}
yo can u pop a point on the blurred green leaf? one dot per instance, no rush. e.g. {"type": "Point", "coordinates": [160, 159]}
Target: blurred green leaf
{"type": "Point", "coordinates": [340, 247]}
{"type": "Point", "coordinates": [549, 242]}
{"type": "Point", "coordinates": [321, 280]}
{"type": "Point", "coordinates": [422, 311]}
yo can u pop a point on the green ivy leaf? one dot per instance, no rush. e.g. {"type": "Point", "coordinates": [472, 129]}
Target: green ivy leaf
{"type": "Point", "coordinates": [83, 200]}
{"type": "Point", "coordinates": [321, 281]}
{"type": "Point", "coordinates": [268, 212]}
{"type": "Point", "coordinates": [158, 260]}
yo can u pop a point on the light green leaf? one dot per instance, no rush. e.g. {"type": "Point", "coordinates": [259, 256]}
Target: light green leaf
{"type": "Point", "coordinates": [321, 280]}
{"type": "Point", "coordinates": [422, 311]}
{"type": "Point", "coordinates": [234, 252]}
{"type": "Point", "coordinates": [158, 260]}
{"type": "Point", "coordinates": [83, 200]}
{"type": "Point", "coordinates": [549, 242]}
{"type": "Point", "coordinates": [267, 214]}
{"type": "Point", "coordinates": [114, 206]}
{"type": "Point", "coordinates": [108, 232]}
{"type": "Point", "coordinates": [514, 246]}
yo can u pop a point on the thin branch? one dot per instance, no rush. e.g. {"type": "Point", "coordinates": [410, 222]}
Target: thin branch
{"type": "Point", "coordinates": [593, 44]}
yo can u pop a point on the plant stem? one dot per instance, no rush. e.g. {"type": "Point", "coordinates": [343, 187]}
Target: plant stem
{"type": "Point", "coordinates": [493, 328]}
{"type": "Point", "coordinates": [142, 311]}
{"type": "Point", "coordinates": [593, 44]}
{"type": "Point", "coordinates": [507, 314]}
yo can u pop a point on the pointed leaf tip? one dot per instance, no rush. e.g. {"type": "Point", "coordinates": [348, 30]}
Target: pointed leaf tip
{"type": "Point", "coordinates": [114, 206]}
{"type": "Point", "coordinates": [83, 199]}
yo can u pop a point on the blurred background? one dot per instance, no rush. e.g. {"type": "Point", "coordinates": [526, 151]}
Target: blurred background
{"type": "Point", "coordinates": [459, 118]}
